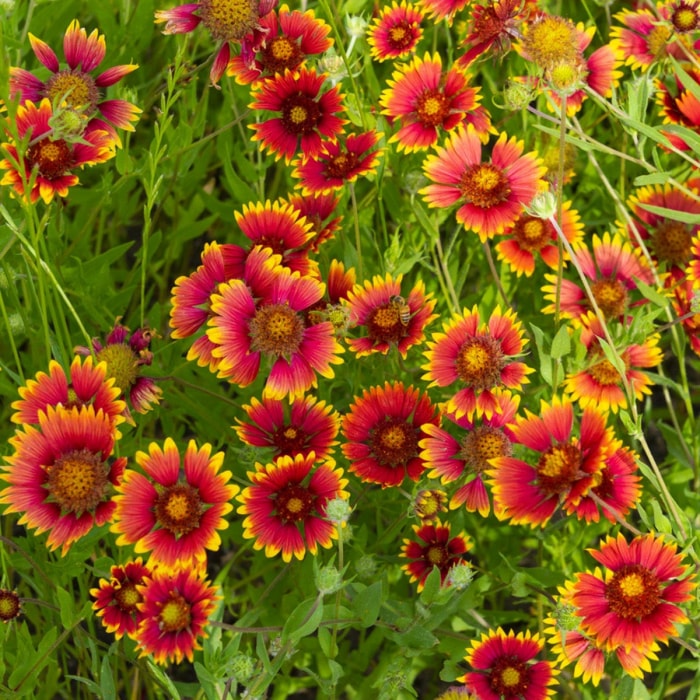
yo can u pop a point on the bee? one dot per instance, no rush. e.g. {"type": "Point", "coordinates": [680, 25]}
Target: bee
{"type": "Point", "coordinates": [403, 309]}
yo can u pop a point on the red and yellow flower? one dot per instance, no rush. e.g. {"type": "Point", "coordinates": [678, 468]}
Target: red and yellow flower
{"type": "Point", "coordinates": [395, 31]}
{"type": "Point", "coordinates": [320, 211]}
{"type": "Point", "coordinates": [60, 478]}
{"type": "Point", "coordinates": [466, 459]}
{"type": "Point", "coordinates": [175, 609]}
{"type": "Point", "coordinates": [565, 463]}
{"type": "Point", "coordinates": [341, 161]}
{"type": "Point", "coordinates": [86, 385]}
{"type": "Point", "coordinates": [491, 194]}
{"type": "Point", "coordinates": [480, 358]}
{"type": "Point", "coordinates": [117, 598]}
{"type": "Point", "coordinates": [228, 21]}
{"type": "Point", "coordinates": [635, 602]}
{"type": "Point", "coordinates": [668, 240]}
{"type": "Point", "coordinates": [434, 548]}
{"type": "Point", "coordinates": [286, 505]}
{"type": "Point", "coordinates": [442, 9]}
{"type": "Point", "coordinates": [47, 165]}
{"type": "Point", "coordinates": [175, 509]}
{"type": "Point", "coordinates": [304, 426]}
{"type": "Point", "coordinates": [612, 271]}
{"type": "Point", "coordinates": [425, 102]}
{"type": "Point", "coordinates": [600, 382]}
{"type": "Point", "coordinates": [74, 87]}
{"type": "Point", "coordinates": [388, 319]}
{"type": "Point", "coordinates": [531, 237]}
{"type": "Point", "coordinates": [506, 667]}
{"type": "Point", "coordinates": [287, 39]}
{"type": "Point", "coordinates": [306, 116]}
{"type": "Point", "coordinates": [383, 429]}
{"type": "Point", "coordinates": [264, 317]}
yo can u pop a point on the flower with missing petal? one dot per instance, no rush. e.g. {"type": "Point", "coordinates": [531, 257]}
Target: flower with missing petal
{"type": "Point", "coordinates": [74, 86]}
{"type": "Point", "coordinates": [286, 505]}
{"type": "Point", "coordinates": [175, 509]}
{"type": "Point", "coordinates": [480, 358]}
{"type": "Point", "coordinates": [175, 610]}
{"type": "Point", "coordinates": [464, 459]}
{"type": "Point", "coordinates": [60, 477]}
{"type": "Point", "coordinates": [491, 194]}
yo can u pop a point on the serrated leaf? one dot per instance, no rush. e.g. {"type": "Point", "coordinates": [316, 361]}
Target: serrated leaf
{"type": "Point", "coordinates": [367, 604]}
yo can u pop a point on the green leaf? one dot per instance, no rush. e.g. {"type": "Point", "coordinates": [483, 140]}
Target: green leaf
{"type": "Point", "coordinates": [431, 587]}
{"type": "Point", "coordinates": [67, 606]}
{"type": "Point", "coordinates": [561, 345]}
{"type": "Point", "coordinates": [417, 638]}
{"type": "Point", "coordinates": [304, 620]}
{"type": "Point", "coordinates": [367, 603]}
{"type": "Point", "coordinates": [107, 687]}
{"type": "Point", "coordinates": [163, 679]}
{"type": "Point", "coordinates": [630, 689]}
{"type": "Point", "coordinates": [545, 358]}
{"type": "Point", "coordinates": [661, 522]}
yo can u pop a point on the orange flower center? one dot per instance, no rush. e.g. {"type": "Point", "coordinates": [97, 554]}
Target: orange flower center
{"type": "Point", "coordinates": [53, 159]}
{"type": "Point", "coordinates": [289, 440]}
{"type": "Point", "coordinates": [437, 555]}
{"type": "Point", "coordinates": [432, 107]}
{"type": "Point", "coordinates": [551, 41]}
{"type": "Point", "coordinates": [611, 297]}
{"type": "Point", "coordinates": [175, 614]}
{"type": "Point", "coordinates": [479, 362]}
{"type": "Point", "coordinates": [9, 605]}
{"type": "Point", "coordinates": [604, 373]}
{"type": "Point", "coordinates": [276, 329]}
{"type": "Point", "coordinates": [394, 442]}
{"type": "Point", "coordinates": [122, 364]}
{"type": "Point", "coordinates": [384, 323]}
{"type": "Point", "coordinates": [229, 20]}
{"type": "Point", "coordinates": [484, 185]}
{"type": "Point", "coordinates": [532, 234]}
{"type": "Point", "coordinates": [509, 676]}
{"type": "Point", "coordinates": [633, 592]}
{"type": "Point", "coordinates": [178, 509]}
{"type": "Point", "coordinates": [483, 444]}
{"type": "Point", "coordinates": [340, 166]}
{"type": "Point", "coordinates": [558, 468]}
{"type": "Point", "coordinates": [294, 503]}
{"type": "Point", "coordinates": [77, 481]}
{"type": "Point", "coordinates": [77, 90]}
{"type": "Point", "coordinates": [685, 17]}
{"type": "Point", "coordinates": [658, 39]}
{"type": "Point", "coordinates": [281, 53]}
{"type": "Point", "coordinates": [127, 597]}
{"type": "Point", "coordinates": [300, 114]}
{"type": "Point", "coordinates": [672, 243]}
